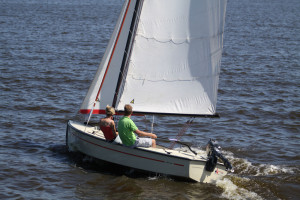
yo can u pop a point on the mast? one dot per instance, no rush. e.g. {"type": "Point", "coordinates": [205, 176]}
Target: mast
{"type": "Point", "coordinates": [133, 27]}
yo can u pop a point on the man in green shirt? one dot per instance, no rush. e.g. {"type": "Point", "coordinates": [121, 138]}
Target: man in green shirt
{"type": "Point", "coordinates": [127, 128]}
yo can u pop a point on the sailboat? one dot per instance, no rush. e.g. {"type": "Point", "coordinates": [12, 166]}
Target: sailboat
{"type": "Point", "coordinates": [163, 58]}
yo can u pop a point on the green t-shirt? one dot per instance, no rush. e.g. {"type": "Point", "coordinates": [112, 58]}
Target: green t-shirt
{"type": "Point", "coordinates": [126, 128]}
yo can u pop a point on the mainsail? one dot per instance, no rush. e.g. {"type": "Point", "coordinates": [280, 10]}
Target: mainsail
{"type": "Point", "coordinates": [173, 61]}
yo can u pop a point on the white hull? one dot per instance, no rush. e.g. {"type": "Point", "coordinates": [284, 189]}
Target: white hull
{"type": "Point", "coordinates": [90, 141]}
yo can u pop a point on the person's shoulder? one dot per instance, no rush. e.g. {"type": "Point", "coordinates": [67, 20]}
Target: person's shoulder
{"type": "Point", "coordinates": [131, 122]}
{"type": "Point", "coordinates": [102, 121]}
{"type": "Point", "coordinates": [112, 122]}
{"type": "Point", "coordinates": [129, 119]}
{"type": "Point", "coordinates": [122, 118]}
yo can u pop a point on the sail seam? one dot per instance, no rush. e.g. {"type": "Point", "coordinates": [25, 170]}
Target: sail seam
{"type": "Point", "coordinates": [185, 40]}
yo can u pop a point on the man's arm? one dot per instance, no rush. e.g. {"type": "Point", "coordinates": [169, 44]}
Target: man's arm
{"type": "Point", "coordinates": [144, 134]}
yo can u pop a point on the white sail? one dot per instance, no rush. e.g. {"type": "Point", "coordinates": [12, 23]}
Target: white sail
{"type": "Point", "coordinates": [107, 74]}
{"type": "Point", "coordinates": [175, 62]}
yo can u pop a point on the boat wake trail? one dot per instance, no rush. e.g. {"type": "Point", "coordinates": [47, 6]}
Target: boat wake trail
{"type": "Point", "coordinates": [232, 191]}
{"type": "Point", "coordinates": [244, 167]}
{"type": "Point", "coordinates": [249, 179]}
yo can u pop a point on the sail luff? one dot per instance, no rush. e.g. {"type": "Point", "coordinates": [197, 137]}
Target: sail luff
{"type": "Point", "coordinates": [127, 49]}
{"type": "Point", "coordinates": [113, 51]}
{"type": "Point", "coordinates": [109, 66]}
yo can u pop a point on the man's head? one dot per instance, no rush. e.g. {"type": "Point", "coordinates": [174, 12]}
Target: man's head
{"type": "Point", "coordinates": [127, 110]}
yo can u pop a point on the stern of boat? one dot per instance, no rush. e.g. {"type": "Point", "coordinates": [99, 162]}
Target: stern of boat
{"type": "Point", "coordinates": [198, 172]}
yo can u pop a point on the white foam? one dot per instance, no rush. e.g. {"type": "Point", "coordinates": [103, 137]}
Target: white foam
{"type": "Point", "coordinates": [231, 191]}
{"type": "Point", "coordinates": [267, 169]}
{"type": "Point", "coordinates": [153, 178]}
{"type": "Point", "coordinates": [243, 166]}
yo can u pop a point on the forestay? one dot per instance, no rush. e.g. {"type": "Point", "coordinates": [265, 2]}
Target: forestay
{"type": "Point", "coordinates": [173, 62]}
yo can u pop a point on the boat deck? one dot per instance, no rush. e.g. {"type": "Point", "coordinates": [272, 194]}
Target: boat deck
{"type": "Point", "coordinates": [94, 131]}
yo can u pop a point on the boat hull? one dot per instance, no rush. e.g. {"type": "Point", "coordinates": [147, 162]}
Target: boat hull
{"type": "Point", "coordinates": [90, 141]}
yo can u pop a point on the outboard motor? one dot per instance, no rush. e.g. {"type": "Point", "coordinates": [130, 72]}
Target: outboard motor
{"type": "Point", "coordinates": [213, 151]}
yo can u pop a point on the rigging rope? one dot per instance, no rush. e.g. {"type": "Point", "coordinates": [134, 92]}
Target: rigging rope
{"type": "Point", "coordinates": [181, 132]}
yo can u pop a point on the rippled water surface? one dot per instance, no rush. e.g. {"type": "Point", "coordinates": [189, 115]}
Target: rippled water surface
{"type": "Point", "coordinates": [49, 52]}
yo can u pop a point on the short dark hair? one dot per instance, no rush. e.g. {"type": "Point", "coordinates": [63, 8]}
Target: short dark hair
{"type": "Point", "coordinates": [127, 110]}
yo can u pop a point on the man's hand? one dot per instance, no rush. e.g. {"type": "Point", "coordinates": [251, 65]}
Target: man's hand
{"type": "Point", "coordinates": [153, 136]}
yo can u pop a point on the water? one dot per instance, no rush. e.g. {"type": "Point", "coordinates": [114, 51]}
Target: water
{"type": "Point", "coordinates": [49, 52]}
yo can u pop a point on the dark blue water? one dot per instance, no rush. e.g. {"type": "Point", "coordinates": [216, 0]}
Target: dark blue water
{"type": "Point", "coordinates": [49, 52]}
